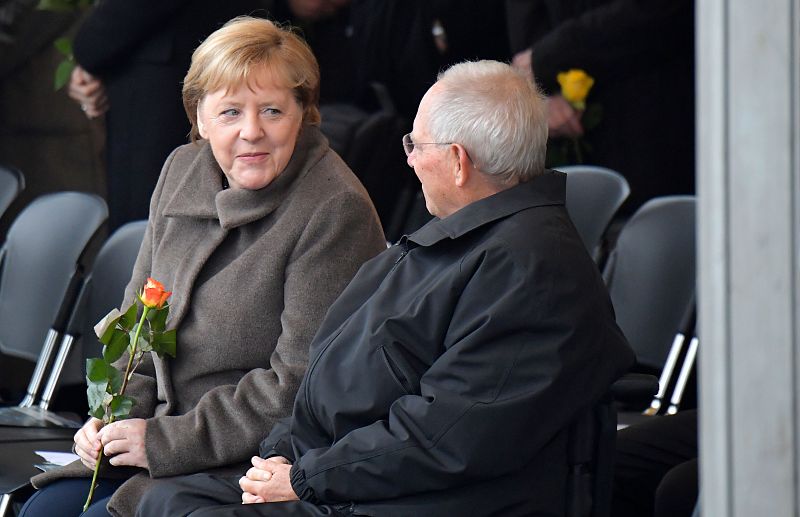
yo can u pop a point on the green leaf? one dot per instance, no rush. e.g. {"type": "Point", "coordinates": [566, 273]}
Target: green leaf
{"type": "Point", "coordinates": [56, 5]}
{"type": "Point", "coordinates": [142, 340]}
{"type": "Point", "coordinates": [158, 318]}
{"type": "Point", "coordinates": [96, 370]}
{"type": "Point", "coordinates": [121, 406]}
{"type": "Point", "coordinates": [97, 412]}
{"type": "Point", "coordinates": [592, 116]}
{"type": "Point", "coordinates": [96, 394]}
{"type": "Point", "coordinates": [117, 345]}
{"type": "Point", "coordinates": [165, 343]}
{"type": "Point", "coordinates": [62, 73]}
{"type": "Point", "coordinates": [115, 378]}
{"type": "Point", "coordinates": [64, 45]}
{"type": "Point", "coordinates": [144, 346]}
{"type": "Point", "coordinates": [129, 318]}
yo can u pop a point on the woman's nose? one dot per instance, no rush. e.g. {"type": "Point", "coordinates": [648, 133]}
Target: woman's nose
{"type": "Point", "coordinates": [251, 128]}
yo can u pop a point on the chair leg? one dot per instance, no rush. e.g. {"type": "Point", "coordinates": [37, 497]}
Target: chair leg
{"type": "Point", "coordinates": [5, 504]}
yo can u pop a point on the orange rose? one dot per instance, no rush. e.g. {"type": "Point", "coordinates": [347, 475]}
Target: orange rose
{"type": "Point", "coordinates": [153, 295]}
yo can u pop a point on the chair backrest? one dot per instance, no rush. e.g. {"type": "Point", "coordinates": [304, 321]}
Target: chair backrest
{"type": "Point", "coordinates": [651, 275]}
{"type": "Point", "coordinates": [594, 194]}
{"type": "Point", "coordinates": [12, 182]}
{"type": "Point", "coordinates": [103, 290]}
{"type": "Point", "coordinates": [369, 142]}
{"type": "Point", "coordinates": [41, 254]}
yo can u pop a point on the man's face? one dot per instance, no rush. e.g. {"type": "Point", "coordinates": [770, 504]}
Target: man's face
{"type": "Point", "coordinates": [433, 164]}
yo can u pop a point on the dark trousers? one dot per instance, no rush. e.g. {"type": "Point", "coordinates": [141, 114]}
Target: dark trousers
{"type": "Point", "coordinates": [66, 497]}
{"type": "Point", "coordinates": [656, 468]}
{"type": "Point", "coordinates": [206, 495]}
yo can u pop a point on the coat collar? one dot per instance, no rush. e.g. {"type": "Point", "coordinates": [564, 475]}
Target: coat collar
{"type": "Point", "coordinates": [200, 193]}
{"type": "Point", "coordinates": [544, 190]}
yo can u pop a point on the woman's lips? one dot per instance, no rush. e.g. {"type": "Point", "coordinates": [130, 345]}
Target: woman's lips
{"type": "Point", "coordinates": [252, 157]}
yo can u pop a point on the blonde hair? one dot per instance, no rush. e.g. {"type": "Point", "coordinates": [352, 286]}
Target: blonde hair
{"type": "Point", "coordinates": [242, 47]}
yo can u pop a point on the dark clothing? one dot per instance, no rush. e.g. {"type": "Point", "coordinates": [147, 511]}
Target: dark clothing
{"type": "Point", "coordinates": [443, 377]}
{"type": "Point", "coordinates": [656, 467]}
{"type": "Point", "coordinates": [641, 54]}
{"type": "Point", "coordinates": [141, 53]}
{"type": "Point", "coordinates": [214, 496]}
{"type": "Point", "coordinates": [67, 496]}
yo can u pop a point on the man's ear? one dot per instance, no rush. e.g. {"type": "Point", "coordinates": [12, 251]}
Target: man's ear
{"type": "Point", "coordinates": [463, 166]}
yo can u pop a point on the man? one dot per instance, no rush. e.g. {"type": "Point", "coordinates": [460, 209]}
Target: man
{"type": "Point", "coordinates": [444, 377]}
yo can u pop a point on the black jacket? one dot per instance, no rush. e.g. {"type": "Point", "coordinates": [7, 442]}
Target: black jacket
{"type": "Point", "coordinates": [641, 54]}
{"type": "Point", "coordinates": [443, 377]}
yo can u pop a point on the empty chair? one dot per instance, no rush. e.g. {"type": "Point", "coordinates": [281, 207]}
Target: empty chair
{"type": "Point", "coordinates": [594, 194]}
{"type": "Point", "coordinates": [41, 272]}
{"type": "Point", "coordinates": [651, 276]}
{"type": "Point", "coordinates": [102, 291]}
{"type": "Point", "coordinates": [12, 182]}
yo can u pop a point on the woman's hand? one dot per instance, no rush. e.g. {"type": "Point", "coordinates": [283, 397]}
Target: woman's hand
{"type": "Point", "coordinates": [267, 481]}
{"type": "Point", "coordinates": [89, 92]}
{"type": "Point", "coordinates": [562, 118]}
{"type": "Point", "coordinates": [87, 443]}
{"type": "Point", "coordinates": [123, 442]}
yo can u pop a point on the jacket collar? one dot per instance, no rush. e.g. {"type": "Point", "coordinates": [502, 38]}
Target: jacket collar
{"type": "Point", "coordinates": [544, 190]}
{"type": "Point", "coordinates": [200, 193]}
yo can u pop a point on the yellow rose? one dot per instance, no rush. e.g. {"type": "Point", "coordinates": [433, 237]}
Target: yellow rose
{"type": "Point", "coordinates": [575, 86]}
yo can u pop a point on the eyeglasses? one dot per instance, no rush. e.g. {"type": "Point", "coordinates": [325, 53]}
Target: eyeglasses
{"type": "Point", "coordinates": [408, 144]}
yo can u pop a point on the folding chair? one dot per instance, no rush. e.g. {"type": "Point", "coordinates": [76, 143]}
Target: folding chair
{"type": "Point", "coordinates": [42, 270]}
{"type": "Point", "coordinates": [103, 290]}
{"type": "Point", "coordinates": [651, 275]}
{"type": "Point", "coordinates": [12, 183]}
{"type": "Point", "coordinates": [651, 279]}
{"type": "Point", "coordinates": [594, 194]}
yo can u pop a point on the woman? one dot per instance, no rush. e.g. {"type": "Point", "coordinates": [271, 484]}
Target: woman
{"type": "Point", "coordinates": [256, 227]}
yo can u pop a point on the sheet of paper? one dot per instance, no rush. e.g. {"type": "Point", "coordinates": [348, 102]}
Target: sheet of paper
{"type": "Point", "coordinates": [59, 458]}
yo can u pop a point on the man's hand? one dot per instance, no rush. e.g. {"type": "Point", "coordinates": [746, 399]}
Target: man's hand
{"type": "Point", "coordinates": [267, 481]}
{"type": "Point", "coordinates": [87, 443]}
{"type": "Point", "coordinates": [562, 118]}
{"type": "Point", "coordinates": [123, 442]}
{"type": "Point", "coordinates": [89, 92]}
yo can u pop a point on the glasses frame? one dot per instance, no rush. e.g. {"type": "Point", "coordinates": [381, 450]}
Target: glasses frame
{"type": "Point", "coordinates": [409, 144]}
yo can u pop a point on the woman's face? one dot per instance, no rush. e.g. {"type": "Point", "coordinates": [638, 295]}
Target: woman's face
{"type": "Point", "coordinates": [252, 130]}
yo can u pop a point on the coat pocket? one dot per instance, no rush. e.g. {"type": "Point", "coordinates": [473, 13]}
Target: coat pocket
{"type": "Point", "coordinates": [402, 368]}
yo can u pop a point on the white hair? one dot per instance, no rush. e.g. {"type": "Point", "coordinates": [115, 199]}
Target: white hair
{"type": "Point", "coordinates": [497, 114]}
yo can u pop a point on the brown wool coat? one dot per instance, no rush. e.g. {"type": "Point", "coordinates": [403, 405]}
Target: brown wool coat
{"type": "Point", "coordinates": [253, 273]}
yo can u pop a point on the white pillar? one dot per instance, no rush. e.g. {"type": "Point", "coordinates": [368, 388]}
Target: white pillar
{"type": "Point", "coordinates": [748, 171]}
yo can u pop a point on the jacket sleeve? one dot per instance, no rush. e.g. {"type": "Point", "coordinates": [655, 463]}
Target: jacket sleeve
{"type": "Point", "coordinates": [508, 380]}
{"type": "Point", "coordinates": [228, 422]}
{"type": "Point", "coordinates": [612, 36]}
{"type": "Point", "coordinates": [116, 27]}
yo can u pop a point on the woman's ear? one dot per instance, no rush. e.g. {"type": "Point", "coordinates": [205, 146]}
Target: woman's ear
{"type": "Point", "coordinates": [200, 126]}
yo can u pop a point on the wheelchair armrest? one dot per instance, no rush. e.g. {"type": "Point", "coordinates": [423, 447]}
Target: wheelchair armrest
{"type": "Point", "coordinates": [635, 389]}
